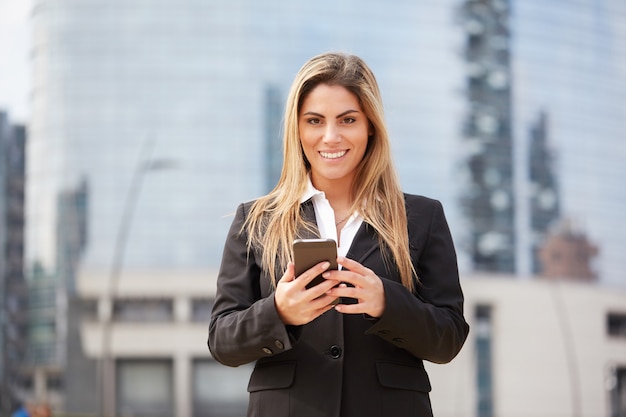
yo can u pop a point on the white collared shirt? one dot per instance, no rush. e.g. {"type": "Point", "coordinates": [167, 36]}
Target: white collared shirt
{"type": "Point", "coordinates": [326, 222]}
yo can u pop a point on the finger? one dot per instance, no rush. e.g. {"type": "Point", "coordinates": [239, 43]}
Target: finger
{"type": "Point", "coordinates": [289, 274]}
{"type": "Point", "coordinates": [352, 265]}
{"type": "Point", "coordinates": [320, 290]}
{"type": "Point", "coordinates": [356, 274]}
{"type": "Point", "coordinates": [330, 306]}
{"type": "Point", "coordinates": [309, 275]}
{"type": "Point", "coordinates": [350, 277]}
{"type": "Point", "coordinates": [371, 309]}
{"type": "Point", "coordinates": [323, 309]}
{"type": "Point", "coordinates": [345, 291]}
{"type": "Point", "coordinates": [358, 308]}
{"type": "Point", "coordinates": [324, 303]}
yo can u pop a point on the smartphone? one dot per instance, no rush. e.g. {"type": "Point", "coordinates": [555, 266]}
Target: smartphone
{"type": "Point", "coordinates": [309, 252]}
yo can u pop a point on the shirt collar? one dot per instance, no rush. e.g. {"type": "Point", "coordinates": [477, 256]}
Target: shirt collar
{"type": "Point", "coordinates": [310, 191]}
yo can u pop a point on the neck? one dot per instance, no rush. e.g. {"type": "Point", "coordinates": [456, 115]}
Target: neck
{"type": "Point", "coordinates": [338, 192]}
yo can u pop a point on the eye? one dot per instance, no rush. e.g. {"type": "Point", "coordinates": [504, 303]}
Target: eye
{"type": "Point", "coordinates": [349, 120]}
{"type": "Point", "coordinates": [314, 121]}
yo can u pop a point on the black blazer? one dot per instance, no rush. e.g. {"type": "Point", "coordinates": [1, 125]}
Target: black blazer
{"type": "Point", "coordinates": [343, 365]}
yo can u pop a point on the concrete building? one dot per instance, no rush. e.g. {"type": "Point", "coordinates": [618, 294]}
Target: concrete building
{"type": "Point", "coordinates": [546, 348]}
{"type": "Point", "coordinates": [536, 348]}
{"type": "Point", "coordinates": [149, 334]}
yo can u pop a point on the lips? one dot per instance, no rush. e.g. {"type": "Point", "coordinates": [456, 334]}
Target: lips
{"type": "Point", "coordinates": [333, 155]}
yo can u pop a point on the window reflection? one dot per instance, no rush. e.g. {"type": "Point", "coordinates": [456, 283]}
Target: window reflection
{"type": "Point", "coordinates": [143, 309]}
{"type": "Point", "coordinates": [145, 387]}
{"type": "Point", "coordinates": [219, 391]}
{"type": "Point", "coordinates": [201, 309]}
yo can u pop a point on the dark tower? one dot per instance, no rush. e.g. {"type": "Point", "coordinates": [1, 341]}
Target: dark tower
{"type": "Point", "coordinates": [488, 199]}
{"type": "Point", "coordinates": [13, 287]}
{"type": "Point", "coordinates": [544, 193]}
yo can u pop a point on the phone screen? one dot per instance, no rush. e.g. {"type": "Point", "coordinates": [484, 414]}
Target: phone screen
{"type": "Point", "coordinates": [309, 252]}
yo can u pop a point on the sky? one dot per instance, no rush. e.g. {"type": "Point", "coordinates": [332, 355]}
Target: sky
{"type": "Point", "coordinates": [14, 58]}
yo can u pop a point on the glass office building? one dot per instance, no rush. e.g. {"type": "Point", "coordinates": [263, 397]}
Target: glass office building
{"type": "Point", "coordinates": [570, 68]}
{"type": "Point", "coordinates": [543, 131]}
{"type": "Point", "coordinates": [13, 289]}
{"type": "Point", "coordinates": [489, 198]}
{"type": "Point", "coordinates": [157, 118]}
{"type": "Point", "coordinates": [118, 83]}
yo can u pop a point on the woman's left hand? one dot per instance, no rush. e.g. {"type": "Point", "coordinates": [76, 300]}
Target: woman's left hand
{"type": "Point", "coordinates": [367, 288]}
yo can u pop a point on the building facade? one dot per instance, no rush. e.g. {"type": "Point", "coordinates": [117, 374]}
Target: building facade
{"type": "Point", "coordinates": [531, 351]}
{"type": "Point", "coordinates": [541, 132]}
{"type": "Point", "coordinates": [489, 198]}
{"type": "Point", "coordinates": [544, 189]}
{"type": "Point", "coordinates": [151, 122]}
{"type": "Point", "coordinates": [13, 289]}
{"type": "Point", "coordinates": [575, 77]}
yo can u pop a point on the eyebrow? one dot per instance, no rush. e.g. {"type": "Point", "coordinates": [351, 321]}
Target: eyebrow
{"type": "Point", "coordinates": [312, 113]}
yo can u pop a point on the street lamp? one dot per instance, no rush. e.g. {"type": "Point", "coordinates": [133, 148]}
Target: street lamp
{"type": "Point", "coordinates": [106, 372]}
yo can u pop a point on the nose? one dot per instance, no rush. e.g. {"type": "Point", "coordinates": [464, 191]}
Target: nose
{"type": "Point", "coordinates": [332, 134]}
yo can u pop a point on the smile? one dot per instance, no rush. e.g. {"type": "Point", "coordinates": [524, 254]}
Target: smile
{"type": "Point", "coordinates": [333, 155]}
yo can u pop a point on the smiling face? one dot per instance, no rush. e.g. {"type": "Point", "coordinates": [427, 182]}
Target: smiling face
{"type": "Point", "coordinates": [334, 134]}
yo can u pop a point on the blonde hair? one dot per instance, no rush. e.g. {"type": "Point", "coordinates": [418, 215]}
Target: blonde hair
{"type": "Point", "coordinates": [275, 219]}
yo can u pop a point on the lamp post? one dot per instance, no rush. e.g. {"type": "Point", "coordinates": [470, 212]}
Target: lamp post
{"type": "Point", "coordinates": [106, 366]}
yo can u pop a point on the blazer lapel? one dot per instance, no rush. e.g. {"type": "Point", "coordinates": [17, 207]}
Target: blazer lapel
{"type": "Point", "coordinates": [308, 213]}
{"type": "Point", "coordinates": [365, 241]}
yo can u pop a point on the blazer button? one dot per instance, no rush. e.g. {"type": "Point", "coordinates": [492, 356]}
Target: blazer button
{"type": "Point", "coordinates": [267, 350]}
{"type": "Point", "coordinates": [279, 344]}
{"type": "Point", "coordinates": [335, 351]}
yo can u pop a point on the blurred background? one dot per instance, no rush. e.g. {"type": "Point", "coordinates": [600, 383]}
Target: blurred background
{"type": "Point", "coordinates": [130, 131]}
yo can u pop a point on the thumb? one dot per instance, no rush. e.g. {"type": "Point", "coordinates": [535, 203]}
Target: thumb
{"type": "Point", "coordinates": [290, 273]}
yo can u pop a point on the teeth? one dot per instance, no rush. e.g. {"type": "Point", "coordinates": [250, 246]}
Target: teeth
{"type": "Point", "coordinates": [332, 155]}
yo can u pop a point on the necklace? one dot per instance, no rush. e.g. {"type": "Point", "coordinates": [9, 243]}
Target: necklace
{"type": "Point", "coordinates": [343, 220]}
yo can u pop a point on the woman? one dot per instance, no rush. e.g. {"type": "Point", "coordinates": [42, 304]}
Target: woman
{"type": "Point", "coordinates": [398, 283]}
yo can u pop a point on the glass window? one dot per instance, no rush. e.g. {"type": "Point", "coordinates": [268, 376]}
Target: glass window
{"type": "Point", "coordinates": [90, 309]}
{"type": "Point", "coordinates": [201, 309]}
{"type": "Point", "coordinates": [145, 388]}
{"type": "Point", "coordinates": [143, 309]}
{"type": "Point", "coordinates": [618, 392]}
{"type": "Point", "coordinates": [616, 323]}
{"type": "Point", "coordinates": [54, 382]}
{"type": "Point", "coordinates": [219, 391]}
{"type": "Point", "coordinates": [484, 379]}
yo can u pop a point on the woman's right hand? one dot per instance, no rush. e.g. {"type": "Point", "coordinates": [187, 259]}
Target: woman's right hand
{"type": "Point", "coordinates": [297, 305]}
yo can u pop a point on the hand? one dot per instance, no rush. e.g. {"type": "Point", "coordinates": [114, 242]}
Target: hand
{"type": "Point", "coordinates": [297, 305]}
{"type": "Point", "coordinates": [368, 288]}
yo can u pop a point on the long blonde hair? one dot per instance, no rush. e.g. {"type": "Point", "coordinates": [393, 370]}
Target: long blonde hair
{"type": "Point", "coordinates": [275, 219]}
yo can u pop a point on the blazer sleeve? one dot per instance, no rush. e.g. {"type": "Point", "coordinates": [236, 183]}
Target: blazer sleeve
{"type": "Point", "coordinates": [244, 326]}
{"type": "Point", "coordinates": [430, 323]}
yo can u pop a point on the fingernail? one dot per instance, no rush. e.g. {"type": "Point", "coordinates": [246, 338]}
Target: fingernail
{"type": "Point", "coordinates": [326, 265]}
